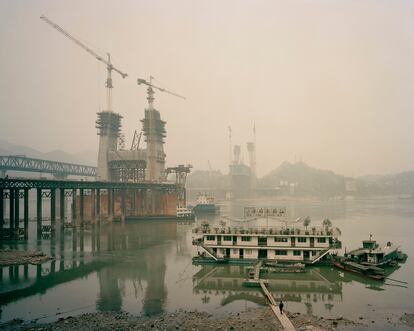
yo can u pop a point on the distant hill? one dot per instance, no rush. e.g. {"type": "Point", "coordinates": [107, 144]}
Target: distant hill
{"type": "Point", "coordinates": [304, 180]}
{"type": "Point", "coordinates": [86, 158]}
{"type": "Point", "coordinates": [300, 179]}
{"type": "Point", "coordinates": [395, 184]}
{"type": "Point", "coordinates": [204, 179]}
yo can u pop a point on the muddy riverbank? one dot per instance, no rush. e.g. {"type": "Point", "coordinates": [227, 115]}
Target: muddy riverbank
{"type": "Point", "coordinates": [252, 319]}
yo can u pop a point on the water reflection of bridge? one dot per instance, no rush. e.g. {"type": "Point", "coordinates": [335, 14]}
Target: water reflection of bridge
{"type": "Point", "coordinates": [125, 258]}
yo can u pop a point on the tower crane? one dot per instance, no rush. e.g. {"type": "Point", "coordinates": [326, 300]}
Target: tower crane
{"type": "Point", "coordinates": [150, 90]}
{"type": "Point", "coordinates": [109, 66]}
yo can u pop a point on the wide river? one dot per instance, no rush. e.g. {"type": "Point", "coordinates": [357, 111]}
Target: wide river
{"type": "Point", "coordinates": [145, 267]}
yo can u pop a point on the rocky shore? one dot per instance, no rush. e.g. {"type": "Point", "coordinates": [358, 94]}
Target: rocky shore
{"type": "Point", "coordinates": [12, 257]}
{"type": "Point", "coordinates": [253, 319]}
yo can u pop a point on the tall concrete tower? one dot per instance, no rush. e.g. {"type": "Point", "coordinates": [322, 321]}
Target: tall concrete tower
{"type": "Point", "coordinates": [236, 154]}
{"type": "Point", "coordinates": [251, 148]}
{"type": "Point", "coordinates": [109, 126]}
{"type": "Point", "coordinates": [154, 131]}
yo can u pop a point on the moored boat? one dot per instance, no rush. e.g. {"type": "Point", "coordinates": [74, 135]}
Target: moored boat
{"type": "Point", "coordinates": [205, 204]}
{"type": "Point", "coordinates": [372, 254]}
{"type": "Point", "coordinates": [184, 213]}
{"type": "Point", "coordinates": [367, 271]}
{"type": "Point", "coordinates": [271, 244]}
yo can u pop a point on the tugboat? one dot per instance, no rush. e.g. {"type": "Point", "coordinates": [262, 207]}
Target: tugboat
{"type": "Point", "coordinates": [205, 204]}
{"type": "Point", "coordinates": [372, 254]}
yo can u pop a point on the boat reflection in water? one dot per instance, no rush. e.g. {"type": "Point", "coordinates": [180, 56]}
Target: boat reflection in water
{"type": "Point", "coordinates": [317, 285]}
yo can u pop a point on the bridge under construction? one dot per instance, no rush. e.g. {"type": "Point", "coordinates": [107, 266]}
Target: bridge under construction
{"type": "Point", "coordinates": [92, 202]}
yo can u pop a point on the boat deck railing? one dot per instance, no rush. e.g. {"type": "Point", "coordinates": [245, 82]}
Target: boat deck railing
{"type": "Point", "coordinates": [203, 229]}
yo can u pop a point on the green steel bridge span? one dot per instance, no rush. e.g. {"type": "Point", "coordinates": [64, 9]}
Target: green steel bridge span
{"type": "Point", "coordinates": [58, 169]}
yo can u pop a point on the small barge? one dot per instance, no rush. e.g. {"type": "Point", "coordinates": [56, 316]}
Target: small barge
{"type": "Point", "coordinates": [367, 271]}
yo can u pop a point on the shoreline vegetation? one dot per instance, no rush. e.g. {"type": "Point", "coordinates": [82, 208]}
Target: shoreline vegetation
{"type": "Point", "coordinates": [251, 319]}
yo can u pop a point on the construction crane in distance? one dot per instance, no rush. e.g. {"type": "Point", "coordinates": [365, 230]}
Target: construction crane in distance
{"type": "Point", "coordinates": [109, 66]}
{"type": "Point", "coordinates": [151, 92]}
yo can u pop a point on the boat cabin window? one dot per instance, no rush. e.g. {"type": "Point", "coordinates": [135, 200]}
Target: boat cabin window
{"type": "Point", "coordinates": [226, 238]}
{"type": "Point", "coordinates": [245, 238]}
{"type": "Point", "coordinates": [302, 239]}
{"type": "Point", "coordinates": [321, 240]}
{"type": "Point", "coordinates": [281, 252]}
{"type": "Point", "coordinates": [296, 253]}
{"type": "Point", "coordinates": [211, 237]}
{"type": "Point", "coordinates": [281, 239]}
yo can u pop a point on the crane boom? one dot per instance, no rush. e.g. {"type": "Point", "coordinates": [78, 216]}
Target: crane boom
{"type": "Point", "coordinates": [108, 63]}
{"type": "Point", "coordinates": [143, 81]}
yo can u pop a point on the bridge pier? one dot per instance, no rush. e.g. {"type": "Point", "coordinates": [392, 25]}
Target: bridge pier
{"type": "Point", "coordinates": [26, 213]}
{"type": "Point", "coordinates": [93, 206]}
{"type": "Point", "coordinates": [62, 210]}
{"type": "Point", "coordinates": [1, 215]}
{"type": "Point", "coordinates": [98, 205]}
{"type": "Point", "coordinates": [53, 212]}
{"type": "Point", "coordinates": [16, 213]}
{"type": "Point", "coordinates": [111, 199]}
{"type": "Point", "coordinates": [74, 208]}
{"type": "Point", "coordinates": [39, 213]}
{"type": "Point", "coordinates": [11, 211]}
{"type": "Point", "coordinates": [134, 203]}
{"type": "Point", "coordinates": [123, 205]}
{"type": "Point", "coordinates": [81, 207]}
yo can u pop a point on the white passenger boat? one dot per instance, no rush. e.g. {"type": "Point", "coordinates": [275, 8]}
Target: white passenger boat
{"type": "Point", "coordinates": [220, 243]}
{"type": "Point", "coordinates": [184, 213]}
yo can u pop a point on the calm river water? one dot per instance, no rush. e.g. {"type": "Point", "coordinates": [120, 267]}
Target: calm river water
{"type": "Point", "coordinates": [145, 268]}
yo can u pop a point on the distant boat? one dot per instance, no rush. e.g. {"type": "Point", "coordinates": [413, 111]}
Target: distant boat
{"type": "Point", "coordinates": [184, 213]}
{"type": "Point", "coordinates": [205, 204]}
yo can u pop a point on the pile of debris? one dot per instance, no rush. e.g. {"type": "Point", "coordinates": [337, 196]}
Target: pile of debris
{"type": "Point", "coordinates": [10, 257]}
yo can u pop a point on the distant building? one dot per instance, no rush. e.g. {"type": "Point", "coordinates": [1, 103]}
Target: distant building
{"type": "Point", "coordinates": [350, 185]}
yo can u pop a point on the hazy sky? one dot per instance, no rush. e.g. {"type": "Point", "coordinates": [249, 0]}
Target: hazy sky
{"type": "Point", "coordinates": [329, 81]}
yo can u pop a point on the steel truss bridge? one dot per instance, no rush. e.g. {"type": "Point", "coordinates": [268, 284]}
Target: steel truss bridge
{"type": "Point", "coordinates": [58, 169]}
{"type": "Point", "coordinates": [46, 184]}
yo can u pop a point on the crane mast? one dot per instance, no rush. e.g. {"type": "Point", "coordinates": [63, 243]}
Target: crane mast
{"type": "Point", "coordinates": [109, 66]}
{"type": "Point", "coordinates": [150, 91]}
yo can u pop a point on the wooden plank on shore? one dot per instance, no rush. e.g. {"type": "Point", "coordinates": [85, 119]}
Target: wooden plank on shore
{"type": "Point", "coordinates": [267, 293]}
{"type": "Point", "coordinates": [283, 319]}
{"type": "Point", "coordinates": [257, 270]}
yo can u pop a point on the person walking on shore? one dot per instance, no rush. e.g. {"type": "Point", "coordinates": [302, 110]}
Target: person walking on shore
{"type": "Point", "coordinates": [281, 307]}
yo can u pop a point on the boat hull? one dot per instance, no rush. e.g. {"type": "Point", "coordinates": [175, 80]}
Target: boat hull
{"type": "Point", "coordinates": [342, 266]}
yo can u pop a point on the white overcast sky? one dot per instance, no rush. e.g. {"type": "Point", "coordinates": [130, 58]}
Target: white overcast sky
{"type": "Point", "coordinates": [331, 81]}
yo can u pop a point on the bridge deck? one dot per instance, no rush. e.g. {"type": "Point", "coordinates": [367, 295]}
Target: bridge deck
{"type": "Point", "coordinates": [76, 184]}
{"type": "Point", "coordinates": [22, 163]}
